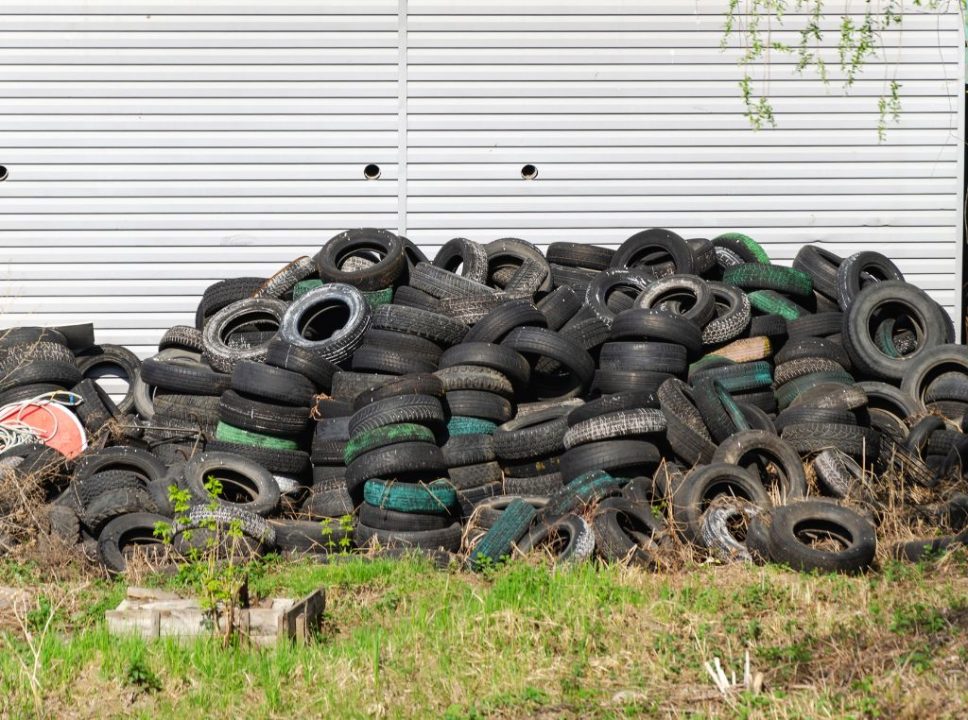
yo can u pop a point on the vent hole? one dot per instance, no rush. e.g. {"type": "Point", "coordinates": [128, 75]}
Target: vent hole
{"type": "Point", "coordinates": [529, 172]}
{"type": "Point", "coordinates": [3, 173]}
{"type": "Point", "coordinates": [371, 172]}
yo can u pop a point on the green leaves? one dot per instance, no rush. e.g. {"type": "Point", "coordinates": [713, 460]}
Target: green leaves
{"type": "Point", "coordinates": [749, 24]}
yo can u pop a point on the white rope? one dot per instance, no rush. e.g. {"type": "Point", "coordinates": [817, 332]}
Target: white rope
{"type": "Point", "coordinates": [14, 431]}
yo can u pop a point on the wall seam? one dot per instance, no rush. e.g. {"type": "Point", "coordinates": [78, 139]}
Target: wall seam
{"type": "Point", "coordinates": [402, 117]}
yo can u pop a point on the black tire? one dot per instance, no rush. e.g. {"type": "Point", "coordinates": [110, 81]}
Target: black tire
{"type": "Point", "coordinates": [180, 372]}
{"type": "Point", "coordinates": [619, 424]}
{"type": "Point", "coordinates": [478, 404]}
{"type": "Point", "coordinates": [685, 428]}
{"type": "Point", "coordinates": [406, 296]}
{"type": "Point", "coordinates": [114, 503]}
{"type": "Point", "coordinates": [379, 360]}
{"type": "Point", "coordinates": [810, 414]}
{"type": "Point", "coordinates": [653, 356]}
{"type": "Point", "coordinates": [306, 536]}
{"type": "Point", "coordinates": [468, 256]}
{"type": "Point", "coordinates": [650, 247]}
{"type": "Point", "coordinates": [246, 484]}
{"type": "Point", "coordinates": [539, 343]}
{"type": "Point", "coordinates": [222, 294]}
{"type": "Point", "coordinates": [416, 384]}
{"type": "Point", "coordinates": [536, 485]}
{"type": "Point", "coordinates": [130, 459]}
{"type": "Point", "coordinates": [686, 295]}
{"type": "Point", "coordinates": [511, 253]}
{"type": "Point", "coordinates": [282, 283]}
{"type": "Point", "coordinates": [402, 343]}
{"type": "Point", "coordinates": [507, 316]}
{"type": "Point", "coordinates": [569, 539]}
{"type": "Point", "coordinates": [182, 337]}
{"type": "Point", "coordinates": [497, 357]}
{"type": "Point", "coordinates": [610, 283]}
{"type": "Point", "coordinates": [626, 458]}
{"type": "Point", "coordinates": [439, 329]}
{"type": "Point", "coordinates": [96, 409]}
{"type": "Point", "coordinates": [580, 255]}
{"type": "Point", "coordinates": [577, 279]}
{"type": "Point", "coordinates": [303, 361]}
{"type": "Point", "coordinates": [82, 492]}
{"type": "Point", "coordinates": [395, 461]}
{"type": "Point", "coordinates": [858, 442]}
{"type": "Point", "coordinates": [612, 403]}
{"type": "Point", "coordinates": [257, 538]}
{"type": "Point", "coordinates": [732, 316]}
{"type": "Point", "coordinates": [627, 532]}
{"type": "Point", "coordinates": [793, 525]}
{"type": "Point", "coordinates": [10, 337]}
{"type": "Point", "coordinates": [472, 476]}
{"type": "Point", "coordinates": [804, 347]}
{"type": "Point", "coordinates": [864, 353]}
{"type": "Point", "coordinates": [821, 265]}
{"type": "Point", "coordinates": [420, 409]}
{"type": "Point", "coordinates": [446, 285]}
{"type": "Point", "coordinates": [260, 417]}
{"type": "Point", "coordinates": [385, 519]}
{"type": "Point", "coordinates": [123, 532]}
{"type": "Point", "coordinates": [692, 496]}
{"type": "Point", "coordinates": [861, 270]}
{"type": "Point", "coordinates": [475, 377]}
{"type": "Point", "coordinates": [382, 246]}
{"type": "Point", "coordinates": [821, 324]}
{"type": "Point", "coordinates": [653, 325]}
{"type": "Point", "coordinates": [463, 450]}
{"type": "Point", "coordinates": [932, 364]}
{"type": "Point", "coordinates": [260, 314]}
{"type": "Point", "coordinates": [272, 384]}
{"type": "Point", "coordinates": [15, 373]}
{"type": "Point", "coordinates": [331, 503]}
{"type": "Point", "coordinates": [329, 320]}
{"type": "Point", "coordinates": [448, 538]}
{"type": "Point", "coordinates": [534, 435]}
{"type": "Point", "coordinates": [559, 306]}
{"type": "Point", "coordinates": [95, 360]}
{"type": "Point", "coordinates": [757, 445]}
{"type": "Point", "coordinates": [285, 462]}
{"type": "Point", "coordinates": [613, 381]}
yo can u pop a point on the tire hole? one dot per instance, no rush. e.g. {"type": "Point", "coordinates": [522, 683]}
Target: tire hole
{"type": "Point", "coordinates": [529, 172]}
{"type": "Point", "coordinates": [371, 172]}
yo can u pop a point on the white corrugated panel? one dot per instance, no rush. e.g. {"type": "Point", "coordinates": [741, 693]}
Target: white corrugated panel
{"type": "Point", "coordinates": [155, 146]}
{"type": "Point", "coordinates": [632, 114]}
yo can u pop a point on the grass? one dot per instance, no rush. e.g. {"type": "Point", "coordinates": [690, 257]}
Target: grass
{"type": "Point", "coordinates": [403, 639]}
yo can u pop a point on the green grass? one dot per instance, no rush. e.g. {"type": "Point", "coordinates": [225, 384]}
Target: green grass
{"type": "Point", "coordinates": [403, 639]}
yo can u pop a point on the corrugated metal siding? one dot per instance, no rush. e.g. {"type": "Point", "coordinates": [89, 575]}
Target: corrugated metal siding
{"type": "Point", "coordinates": [154, 147]}
{"type": "Point", "coordinates": [631, 113]}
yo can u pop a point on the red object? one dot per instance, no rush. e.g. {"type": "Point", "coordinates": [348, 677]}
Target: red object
{"type": "Point", "coordinates": [56, 426]}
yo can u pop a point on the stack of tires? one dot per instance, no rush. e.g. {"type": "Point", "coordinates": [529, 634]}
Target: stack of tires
{"type": "Point", "coordinates": [671, 393]}
{"type": "Point", "coordinates": [395, 469]}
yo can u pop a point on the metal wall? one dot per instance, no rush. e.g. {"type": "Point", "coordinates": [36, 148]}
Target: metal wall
{"type": "Point", "coordinates": [155, 146]}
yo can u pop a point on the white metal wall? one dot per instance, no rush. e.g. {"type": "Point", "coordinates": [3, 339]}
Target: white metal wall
{"type": "Point", "coordinates": [156, 146]}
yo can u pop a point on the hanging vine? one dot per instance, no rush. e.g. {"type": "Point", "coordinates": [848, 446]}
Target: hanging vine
{"type": "Point", "coordinates": [860, 38]}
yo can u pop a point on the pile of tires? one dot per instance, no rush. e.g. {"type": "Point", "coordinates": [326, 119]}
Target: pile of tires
{"type": "Point", "coordinates": [669, 395]}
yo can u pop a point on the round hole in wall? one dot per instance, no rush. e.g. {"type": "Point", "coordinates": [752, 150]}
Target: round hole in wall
{"type": "Point", "coordinates": [3, 173]}
{"type": "Point", "coordinates": [371, 172]}
{"type": "Point", "coordinates": [529, 172]}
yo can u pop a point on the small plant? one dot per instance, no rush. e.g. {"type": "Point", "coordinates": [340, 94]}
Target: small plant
{"type": "Point", "coordinates": [213, 568]}
{"type": "Point", "coordinates": [141, 676]}
{"type": "Point", "coordinates": [344, 543]}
